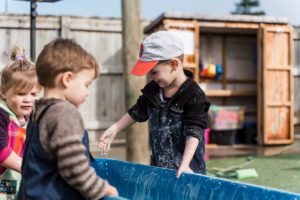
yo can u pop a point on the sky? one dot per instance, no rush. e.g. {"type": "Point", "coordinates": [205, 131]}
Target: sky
{"type": "Point", "coordinates": [151, 9]}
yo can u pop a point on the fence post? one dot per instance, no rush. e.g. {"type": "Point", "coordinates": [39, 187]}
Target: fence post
{"type": "Point", "coordinates": [137, 135]}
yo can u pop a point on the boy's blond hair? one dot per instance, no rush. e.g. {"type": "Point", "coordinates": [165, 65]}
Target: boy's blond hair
{"type": "Point", "coordinates": [20, 74]}
{"type": "Point", "coordinates": [62, 55]}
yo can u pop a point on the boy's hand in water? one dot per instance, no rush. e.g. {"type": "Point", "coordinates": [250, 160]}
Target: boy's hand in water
{"type": "Point", "coordinates": [110, 191]}
{"type": "Point", "coordinates": [181, 169]}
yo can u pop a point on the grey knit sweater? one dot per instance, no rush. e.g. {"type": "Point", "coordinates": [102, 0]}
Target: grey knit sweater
{"type": "Point", "coordinates": [61, 131]}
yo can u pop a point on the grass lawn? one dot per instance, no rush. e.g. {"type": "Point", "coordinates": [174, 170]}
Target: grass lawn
{"type": "Point", "coordinates": [280, 171]}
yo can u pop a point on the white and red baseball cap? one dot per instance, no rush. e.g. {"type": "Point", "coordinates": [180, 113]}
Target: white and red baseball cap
{"type": "Point", "coordinates": [161, 45]}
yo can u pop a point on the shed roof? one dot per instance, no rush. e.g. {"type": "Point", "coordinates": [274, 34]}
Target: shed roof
{"type": "Point", "coordinates": [216, 18]}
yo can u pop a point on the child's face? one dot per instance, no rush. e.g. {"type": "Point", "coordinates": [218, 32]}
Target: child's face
{"type": "Point", "coordinates": [163, 74]}
{"type": "Point", "coordinates": [77, 90]}
{"type": "Point", "coordinates": [21, 103]}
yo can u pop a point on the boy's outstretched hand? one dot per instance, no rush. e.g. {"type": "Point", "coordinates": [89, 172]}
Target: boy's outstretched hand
{"type": "Point", "coordinates": [181, 169]}
{"type": "Point", "coordinates": [109, 134]}
{"type": "Point", "coordinates": [105, 140]}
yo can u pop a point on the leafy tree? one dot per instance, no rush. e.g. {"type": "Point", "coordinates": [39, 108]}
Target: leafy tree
{"type": "Point", "coordinates": [245, 8]}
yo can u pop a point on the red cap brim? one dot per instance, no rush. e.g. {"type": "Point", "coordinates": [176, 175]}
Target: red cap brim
{"type": "Point", "coordinates": [141, 67]}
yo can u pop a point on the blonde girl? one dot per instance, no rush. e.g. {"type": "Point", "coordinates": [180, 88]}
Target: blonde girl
{"type": "Point", "coordinates": [18, 91]}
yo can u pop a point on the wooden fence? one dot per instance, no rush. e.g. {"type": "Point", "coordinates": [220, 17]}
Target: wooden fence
{"type": "Point", "coordinates": [102, 37]}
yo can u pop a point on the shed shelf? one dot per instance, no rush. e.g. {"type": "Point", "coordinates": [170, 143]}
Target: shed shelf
{"type": "Point", "coordinates": [229, 93]}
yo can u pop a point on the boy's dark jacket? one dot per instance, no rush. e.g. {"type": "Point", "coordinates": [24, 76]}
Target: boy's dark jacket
{"type": "Point", "coordinates": [185, 114]}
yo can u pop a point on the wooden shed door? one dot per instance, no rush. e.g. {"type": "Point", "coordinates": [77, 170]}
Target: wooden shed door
{"type": "Point", "coordinates": [277, 85]}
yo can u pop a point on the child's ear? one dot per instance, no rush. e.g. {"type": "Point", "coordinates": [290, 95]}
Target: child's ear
{"type": "Point", "coordinates": [2, 95]}
{"type": "Point", "coordinates": [66, 78]}
{"type": "Point", "coordinates": [174, 64]}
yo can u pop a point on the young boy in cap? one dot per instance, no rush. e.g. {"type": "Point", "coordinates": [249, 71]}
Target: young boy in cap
{"type": "Point", "coordinates": [174, 104]}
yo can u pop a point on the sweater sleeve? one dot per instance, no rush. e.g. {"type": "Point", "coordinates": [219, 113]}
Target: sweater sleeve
{"type": "Point", "coordinates": [5, 150]}
{"type": "Point", "coordinates": [65, 126]}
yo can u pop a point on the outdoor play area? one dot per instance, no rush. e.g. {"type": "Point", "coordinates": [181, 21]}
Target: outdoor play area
{"type": "Point", "coordinates": [248, 66]}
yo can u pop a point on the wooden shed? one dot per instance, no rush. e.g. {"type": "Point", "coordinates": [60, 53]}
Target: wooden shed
{"type": "Point", "coordinates": [256, 56]}
{"type": "Point", "coordinates": [297, 79]}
